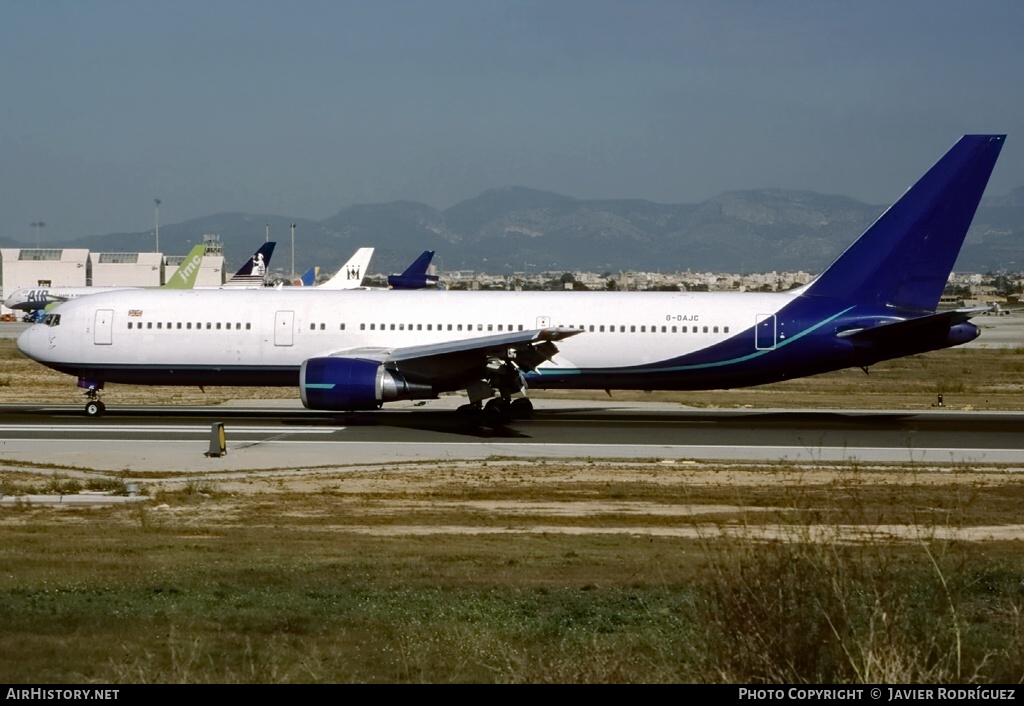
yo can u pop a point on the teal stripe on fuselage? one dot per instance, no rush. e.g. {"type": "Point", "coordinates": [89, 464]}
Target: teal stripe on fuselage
{"type": "Point", "coordinates": [695, 366]}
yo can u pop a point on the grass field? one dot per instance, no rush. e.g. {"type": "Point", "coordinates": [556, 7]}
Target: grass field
{"type": "Point", "coordinates": [514, 572]}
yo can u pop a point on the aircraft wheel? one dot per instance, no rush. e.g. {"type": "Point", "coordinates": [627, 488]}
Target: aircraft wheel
{"type": "Point", "coordinates": [94, 408]}
{"type": "Point", "coordinates": [522, 408]}
{"type": "Point", "coordinates": [497, 413]}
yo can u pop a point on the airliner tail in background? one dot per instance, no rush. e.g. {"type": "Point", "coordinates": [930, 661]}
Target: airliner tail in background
{"type": "Point", "coordinates": [308, 278]}
{"type": "Point", "coordinates": [253, 274]}
{"type": "Point", "coordinates": [351, 274]}
{"type": "Point", "coordinates": [415, 275]}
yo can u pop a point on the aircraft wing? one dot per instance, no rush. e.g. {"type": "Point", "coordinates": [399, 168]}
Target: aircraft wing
{"type": "Point", "coordinates": [451, 365]}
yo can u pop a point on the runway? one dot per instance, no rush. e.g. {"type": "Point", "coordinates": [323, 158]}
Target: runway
{"type": "Point", "coordinates": [157, 440]}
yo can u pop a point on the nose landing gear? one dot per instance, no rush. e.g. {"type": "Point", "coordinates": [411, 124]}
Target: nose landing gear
{"type": "Point", "coordinates": [93, 406]}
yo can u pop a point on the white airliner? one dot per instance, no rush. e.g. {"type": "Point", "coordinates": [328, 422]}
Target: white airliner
{"type": "Point", "coordinates": [357, 350]}
{"type": "Point", "coordinates": [35, 298]}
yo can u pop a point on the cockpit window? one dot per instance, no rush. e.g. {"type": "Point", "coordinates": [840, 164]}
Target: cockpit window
{"type": "Point", "coordinates": [52, 320]}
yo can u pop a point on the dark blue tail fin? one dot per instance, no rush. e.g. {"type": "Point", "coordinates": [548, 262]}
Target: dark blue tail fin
{"type": "Point", "coordinates": [415, 275]}
{"type": "Point", "coordinates": [904, 259]}
{"type": "Point", "coordinates": [253, 272]}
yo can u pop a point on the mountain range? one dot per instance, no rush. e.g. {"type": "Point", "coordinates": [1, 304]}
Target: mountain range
{"type": "Point", "coordinates": [520, 229]}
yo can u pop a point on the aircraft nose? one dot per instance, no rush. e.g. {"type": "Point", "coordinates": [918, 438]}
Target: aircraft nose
{"type": "Point", "coordinates": [28, 341]}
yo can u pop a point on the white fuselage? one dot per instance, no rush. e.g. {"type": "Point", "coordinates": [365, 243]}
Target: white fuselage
{"type": "Point", "coordinates": [261, 330]}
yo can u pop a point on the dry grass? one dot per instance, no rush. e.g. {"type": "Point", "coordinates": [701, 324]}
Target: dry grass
{"type": "Point", "coordinates": [517, 572]}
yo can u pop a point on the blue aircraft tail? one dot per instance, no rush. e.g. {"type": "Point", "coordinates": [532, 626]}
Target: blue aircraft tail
{"type": "Point", "coordinates": [903, 260]}
{"type": "Point", "coordinates": [415, 275]}
{"type": "Point", "coordinates": [308, 278]}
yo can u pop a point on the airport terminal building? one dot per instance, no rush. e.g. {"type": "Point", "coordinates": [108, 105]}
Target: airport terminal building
{"type": "Point", "coordinates": [78, 267]}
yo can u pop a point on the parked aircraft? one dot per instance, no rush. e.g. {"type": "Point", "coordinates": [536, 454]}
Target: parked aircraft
{"type": "Point", "coordinates": [252, 275]}
{"type": "Point", "coordinates": [351, 351]}
{"type": "Point", "coordinates": [35, 298]}
{"type": "Point", "coordinates": [415, 275]}
{"type": "Point", "coordinates": [351, 274]}
{"type": "Point", "coordinates": [308, 278]}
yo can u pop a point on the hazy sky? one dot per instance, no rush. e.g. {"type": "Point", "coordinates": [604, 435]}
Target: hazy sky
{"type": "Point", "coordinates": [300, 108]}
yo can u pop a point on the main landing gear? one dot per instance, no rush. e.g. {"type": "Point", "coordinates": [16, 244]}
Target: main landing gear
{"type": "Point", "coordinates": [497, 412]}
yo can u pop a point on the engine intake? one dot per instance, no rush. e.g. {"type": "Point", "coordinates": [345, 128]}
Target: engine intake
{"type": "Point", "coordinates": [346, 384]}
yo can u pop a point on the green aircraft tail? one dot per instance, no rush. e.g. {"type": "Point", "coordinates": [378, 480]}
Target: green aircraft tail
{"type": "Point", "coordinates": [185, 276]}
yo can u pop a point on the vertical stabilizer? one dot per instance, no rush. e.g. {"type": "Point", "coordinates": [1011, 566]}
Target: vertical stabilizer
{"type": "Point", "coordinates": [351, 274]}
{"type": "Point", "coordinates": [185, 276]}
{"type": "Point", "coordinates": [904, 259]}
{"type": "Point", "coordinates": [253, 274]}
{"type": "Point", "coordinates": [415, 275]}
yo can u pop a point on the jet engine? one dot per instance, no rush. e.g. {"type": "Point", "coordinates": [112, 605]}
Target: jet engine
{"type": "Point", "coordinates": [345, 384]}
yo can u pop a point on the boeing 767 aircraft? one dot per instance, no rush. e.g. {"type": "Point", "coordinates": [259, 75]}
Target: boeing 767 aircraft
{"type": "Point", "coordinates": [352, 350]}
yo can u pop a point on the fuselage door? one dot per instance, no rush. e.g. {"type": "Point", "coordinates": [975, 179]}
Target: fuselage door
{"type": "Point", "coordinates": [284, 324]}
{"type": "Point", "coordinates": [764, 332]}
{"type": "Point", "coordinates": [543, 321]}
{"type": "Point", "coordinates": [104, 327]}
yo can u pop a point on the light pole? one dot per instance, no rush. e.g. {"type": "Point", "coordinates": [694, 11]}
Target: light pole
{"type": "Point", "coordinates": [268, 233]}
{"type": "Point", "coordinates": [37, 225]}
{"type": "Point", "coordinates": [156, 217]}
{"type": "Point", "coordinates": [293, 253]}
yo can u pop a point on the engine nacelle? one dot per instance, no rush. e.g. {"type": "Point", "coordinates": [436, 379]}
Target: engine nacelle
{"type": "Point", "coordinates": [345, 384]}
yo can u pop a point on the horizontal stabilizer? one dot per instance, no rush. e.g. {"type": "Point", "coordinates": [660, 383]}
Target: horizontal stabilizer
{"type": "Point", "coordinates": [914, 332]}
